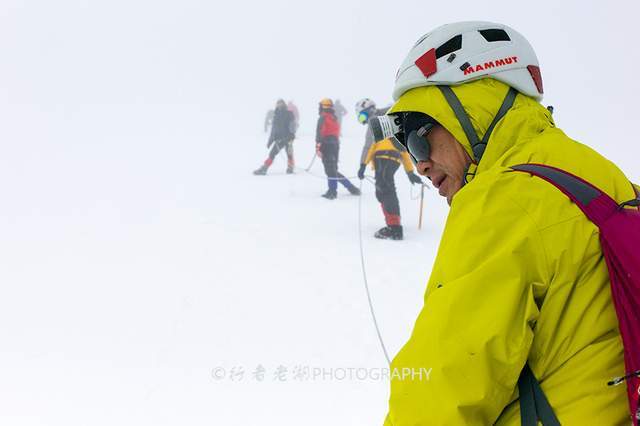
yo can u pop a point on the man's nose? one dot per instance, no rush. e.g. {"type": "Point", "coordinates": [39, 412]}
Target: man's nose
{"type": "Point", "coordinates": [423, 167]}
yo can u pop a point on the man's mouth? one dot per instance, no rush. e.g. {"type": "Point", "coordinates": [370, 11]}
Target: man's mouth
{"type": "Point", "coordinates": [438, 181]}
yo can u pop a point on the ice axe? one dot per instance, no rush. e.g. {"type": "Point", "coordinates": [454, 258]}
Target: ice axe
{"type": "Point", "coordinates": [421, 205]}
{"type": "Point", "coordinates": [315, 154]}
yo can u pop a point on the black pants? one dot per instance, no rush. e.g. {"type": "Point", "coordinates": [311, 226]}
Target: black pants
{"type": "Point", "coordinates": [278, 145]}
{"type": "Point", "coordinates": [330, 152]}
{"type": "Point", "coordinates": [386, 189]}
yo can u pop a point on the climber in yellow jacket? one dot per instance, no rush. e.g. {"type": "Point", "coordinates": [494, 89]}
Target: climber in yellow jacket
{"type": "Point", "coordinates": [385, 158]}
{"type": "Point", "coordinates": [519, 278]}
{"type": "Point", "coordinates": [387, 149]}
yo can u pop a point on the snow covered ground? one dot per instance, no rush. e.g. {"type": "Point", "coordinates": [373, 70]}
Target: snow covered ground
{"type": "Point", "coordinates": [132, 272]}
{"type": "Point", "coordinates": [148, 275]}
{"type": "Point", "coordinates": [143, 267]}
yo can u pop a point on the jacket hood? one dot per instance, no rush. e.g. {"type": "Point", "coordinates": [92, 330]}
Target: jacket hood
{"type": "Point", "coordinates": [481, 100]}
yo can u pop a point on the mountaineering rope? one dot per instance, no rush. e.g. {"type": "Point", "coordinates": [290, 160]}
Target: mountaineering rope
{"type": "Point", "coordinates": [364, 271]}
{"type": "Point", "coordinates": [364, 275]}
{"type": "Point", "coordinates": [323, 177]}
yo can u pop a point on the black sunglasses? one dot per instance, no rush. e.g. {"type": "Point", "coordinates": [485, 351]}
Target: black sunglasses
{"type": "Point", "coordinates": [417, 126]}
{"type": "Point", "coordinates": [418, 145]}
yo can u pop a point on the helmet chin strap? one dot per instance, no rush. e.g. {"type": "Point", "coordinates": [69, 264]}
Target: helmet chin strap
{"type": "Point", "coordinates": [469, 173]}
{"type": "Point", "coordinates": [477, 146]}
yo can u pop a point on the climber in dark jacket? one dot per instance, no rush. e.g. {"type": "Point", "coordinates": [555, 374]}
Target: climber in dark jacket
{"type": "Point", "coordinates": [328, 148]}
{"type": "Point", "coordinates": [283, 129]}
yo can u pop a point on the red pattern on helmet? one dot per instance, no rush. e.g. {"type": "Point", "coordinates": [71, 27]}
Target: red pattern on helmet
{"type": "Point", "coordinates": [536, 76]}
{"type": "Point", "coordinates": [427, 63]}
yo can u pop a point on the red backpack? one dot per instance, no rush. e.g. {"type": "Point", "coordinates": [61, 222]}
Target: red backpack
{"type": "Point", "coordinates": [620, 240]}
{"type": "Point", "coordinates": [330, 125]}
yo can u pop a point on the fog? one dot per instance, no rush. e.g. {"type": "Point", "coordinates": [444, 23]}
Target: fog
{"type": "Point", "coordinates": [230, 61]}
{"type": "Point", "coordinates": [138, 252]}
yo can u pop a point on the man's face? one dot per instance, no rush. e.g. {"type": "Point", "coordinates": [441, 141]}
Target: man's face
{"type": "Point", "coordinates": [447, 162]}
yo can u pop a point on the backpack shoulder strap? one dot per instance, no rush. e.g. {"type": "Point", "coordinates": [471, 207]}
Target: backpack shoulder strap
{"type": "Point", "coordinates": [635, 202]}
{"type": "Point", "coordinates": [595, 204]}
{"type": "Point", "coordinates": [534, 405]}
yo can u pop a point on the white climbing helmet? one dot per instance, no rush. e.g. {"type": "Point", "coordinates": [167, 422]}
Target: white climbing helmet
{"type": "Point", "coordinates": [364, 104]}
{"type": "Point", "coordinates": [465, 51]}
{"type": "Point", "coordinates": [364, 110]}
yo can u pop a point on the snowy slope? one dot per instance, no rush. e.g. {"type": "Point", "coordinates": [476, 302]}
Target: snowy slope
{"type": "Point", "coordinates": [140, 264]}
{"type": "Point", "coordinates": [308, 291]}
{"type": "Point", "coordinates": [139, 256]}
{"type": "Point", "coordinates": [147, 259]}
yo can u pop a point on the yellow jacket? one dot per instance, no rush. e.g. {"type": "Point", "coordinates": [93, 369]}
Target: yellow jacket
{"type": "Point", "coordinates": [387, 150]}
{"type": "Point", "coordinates": [519, 277]}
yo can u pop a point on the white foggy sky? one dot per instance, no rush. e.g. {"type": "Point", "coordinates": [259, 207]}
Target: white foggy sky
{"type": "Point", "coordinates": [233, 59]}
{"type": "Point", "coordinates": [137, 249]}
{"type": "Point", "coordinates": [237, 57]}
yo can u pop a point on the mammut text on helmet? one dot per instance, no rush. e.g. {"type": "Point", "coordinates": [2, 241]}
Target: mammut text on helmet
{"type": "Point", "coordinates": [491, 64]}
